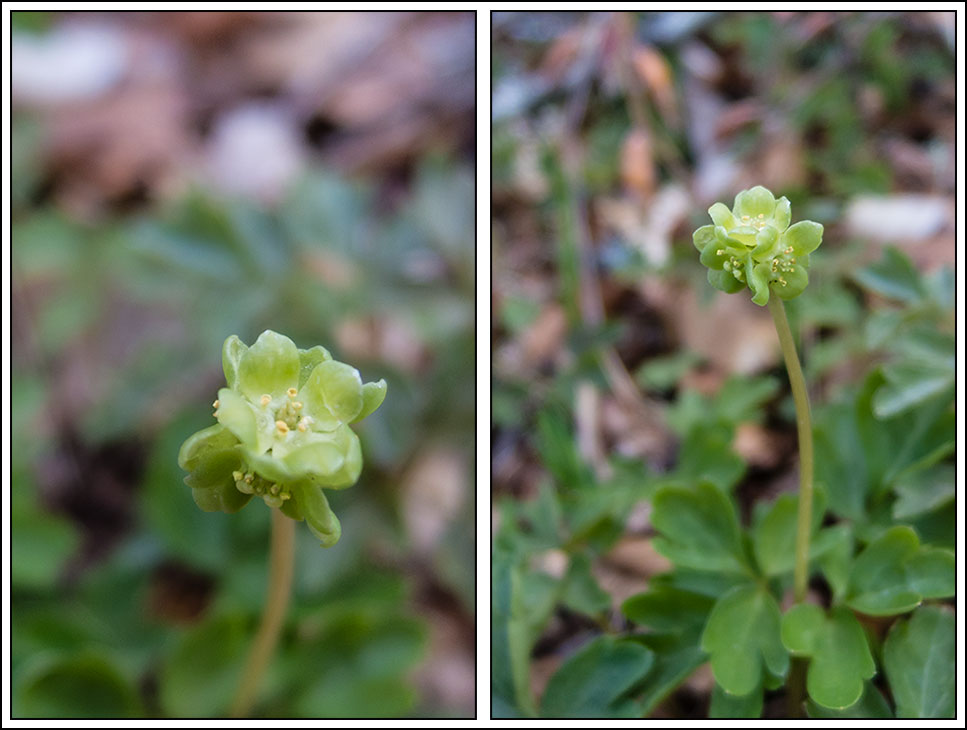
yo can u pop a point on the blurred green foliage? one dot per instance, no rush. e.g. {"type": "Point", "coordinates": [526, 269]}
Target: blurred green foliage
{"type": "Point", "coordinates": [125, 315]}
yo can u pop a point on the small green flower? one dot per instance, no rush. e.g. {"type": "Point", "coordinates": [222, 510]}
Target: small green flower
{"type": "Point", "coordinates": [753, 245]}
{"type": "Point", "coordinates": [282, 433]}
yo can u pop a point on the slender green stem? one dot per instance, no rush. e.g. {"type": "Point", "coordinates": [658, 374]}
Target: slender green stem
{"type": "Point", "coordinates": [281, 559]}
{"type": "Point", "coordinates": [805, 429]}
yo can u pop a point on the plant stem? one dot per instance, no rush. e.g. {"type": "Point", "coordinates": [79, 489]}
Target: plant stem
{"type": "Point", "coordinates": [281, 559]}
{"type": "Point", "coordinates": [804, 426]}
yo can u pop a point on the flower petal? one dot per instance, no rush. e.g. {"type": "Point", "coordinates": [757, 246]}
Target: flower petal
{"type": "Point", "coordinates": [270, 366]}
{"type": "Point", "coordinates": [767, 244]}
{"type": "Point", "coordinates": [373, 395]}
{"type": "Point", "coordinates": [238, 416]}
{"type": "Point", "coordinates": [232, 352]}
{"type": "Point", "coordinates": [804, 237]}
{"type": "Point", "coordinates": [703, 237]}
{"type": "Point", "coordinates": [308, 359]}
{"type": "Point", "coordinates": [796, 280]}
{"type": "Point", "coordinates": [334, 389]}
{"type": "Point", "coordinates": [722, 216]}
{"type": "Point", "coordinates": [753, 202]}
{"type": "Point", "coordinates": [318, 458]}
{"type": "Point", "coordinates": [347, 442]}
{"type": "Point", "coordinates": [782, 214]}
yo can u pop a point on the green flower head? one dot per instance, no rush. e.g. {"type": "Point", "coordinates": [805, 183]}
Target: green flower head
{"type": "Point", "coordinates": [753, 245]}
{"type": "Point", "coordinates": [282, 433]}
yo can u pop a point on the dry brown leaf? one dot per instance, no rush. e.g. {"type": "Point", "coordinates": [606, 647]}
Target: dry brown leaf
{"type": "Point", "coordinates": [638, 164]}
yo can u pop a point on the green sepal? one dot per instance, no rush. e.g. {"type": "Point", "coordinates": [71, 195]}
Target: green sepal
{"type": "Point", "coordinates": [223, 498]}
{"type": "Point", "coordinates": [320, 518]}
{"type": "Point", "coordinates": [804, 237]}
{"type": "Point", "coordinates": [758, 276]}
{"type": "Point", "coordinates": [209, 456]}
{"type": "Point", "coordinates": [724, 281]}
{"type": "Point", "coordinates": [373, 395]}
{"type": "Point", "coordinates": [270, 366]}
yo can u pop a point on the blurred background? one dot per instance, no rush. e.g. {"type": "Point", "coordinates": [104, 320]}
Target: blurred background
{"type": "Point", "coordinates": [617, 368]}
{"type": "Point", "coordinates": [180, 177]}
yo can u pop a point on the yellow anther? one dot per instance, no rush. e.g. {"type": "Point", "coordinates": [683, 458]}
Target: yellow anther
{"type": "Point", "coordinates": [237, 476]}
{"type": "Point", "coordinates": [303, 426]}
{"type": "Point", "coordinates": [745, 217]}
{"type": "Point", "coordinates": [792, 261]}
{"type": "Point", "coordinates": [782, 281]}
{"type": "Point", "coordinates": [297, 405]}
{"type": "Point", "coordinates": [762, 215]}
{"type": "Point", "coordinates": [720, 252]}
{"type": "Point", "coordinates": [284, 496]}
{"type": "Point", "coordinates": [788, 250]}
{"type": "Point", "coordinates": [248, 479]}
{"type": "Point", "coordinates": [215, 404]}
{"type": "Point", "coordinates": [266, 399]}
{"type": "Point", "coordinates": [292, 392]}
{"type": "Point", "coordinates": [281, 425]}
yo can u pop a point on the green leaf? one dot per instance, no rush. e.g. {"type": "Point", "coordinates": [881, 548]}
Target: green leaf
{"type": "Point", "coordinates": [699, 529]}
{"type": "Point", "coordinates": [725, 705]}
{"type": "Point", "coordinates": [201, 674]}
{"type": "Point", "coordinates": [665, 608]}
{"type": "Point", "coordinates": [707, 456]}
{"type": "Point", "coordinates": [741, 636]}
{"type": "Point", "coordinates": [581, 591]}
{"type": "Point", "coordinates": [894, 277]}
{"type": "Point", "coordinates": [677, 656]}
{"type": "Point", "coordinates": [841, 657]}
{"type": "Point", "coordinates": [521, 604]}
{"type": "Point", "coordinates": [590, 684]}
{"type": "Point", "coordinates": [909, 384]}
{"type": "Point", "coordinates": [893, 574]}
{"type": "Point", "coordinates": [84, 685]}
{"type": "Point", "coordinates": [871, 705]}
{"type": "Point", "coordinates": [919, 657]}
{"type": "Point", "coordinates": [802, 626]}
{"type": "Point", "coordinates": [924, 491]}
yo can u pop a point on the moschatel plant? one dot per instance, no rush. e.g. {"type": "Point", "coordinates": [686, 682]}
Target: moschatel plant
{"type": "Point", "coordinates": [831, 599]}
{"type": "Point", "coordinates": [283, 435]}
{"type": "Point", "coordinates": [749, 640]}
